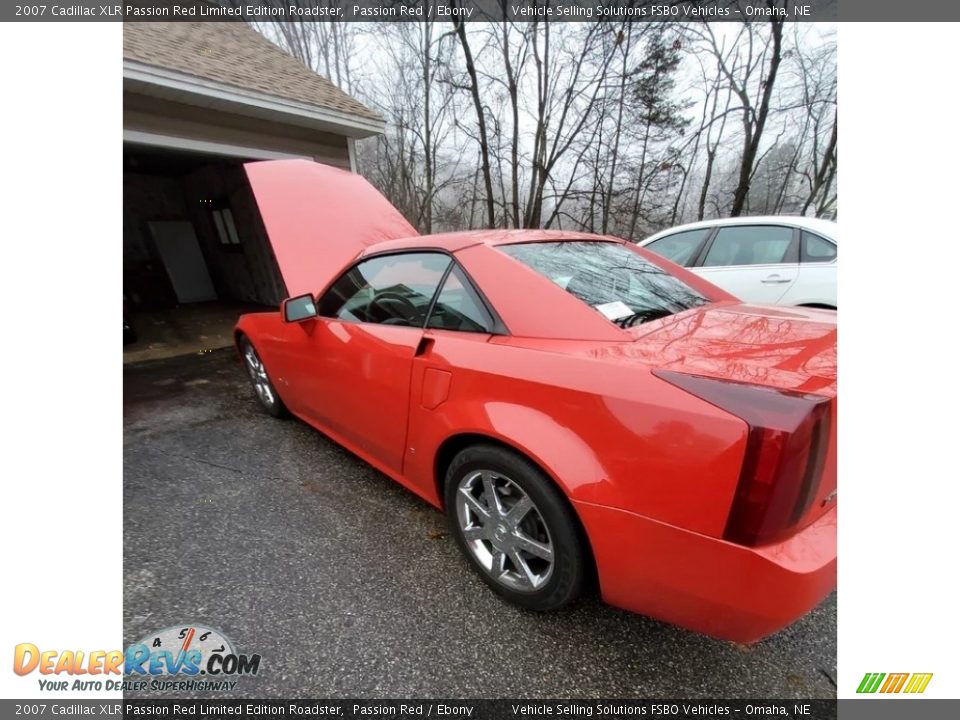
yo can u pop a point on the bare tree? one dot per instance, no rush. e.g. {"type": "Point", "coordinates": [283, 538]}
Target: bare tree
{"type": "Point", "coordinates": [414, 161]}
{"type": "Point", "coordinates": [817, 74]}
{"type": "Point", "coordinates": [612, 127]}
{"type": "Point", "coordinates": [564, 102]}
{"type": "Point", "coordinates": [749, 66]}
{"type": "Point", "coordinates": [474, 89]}
{"type": "Point", "coordinates": [325, 48]}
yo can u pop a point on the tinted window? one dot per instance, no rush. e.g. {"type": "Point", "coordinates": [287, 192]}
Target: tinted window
{"type": "Point", "coordinates": [391, 289]}
{"type": "Point", "coordinates": [458, 307]}
{"type": "Point", "coordinates": [609, 277]}
{"type": "Point", "coordinates": [816, 249]}
{"type": "Point", "coordinates": [681, 247]}
{"type": "Point", "coordinates": [749, 245]}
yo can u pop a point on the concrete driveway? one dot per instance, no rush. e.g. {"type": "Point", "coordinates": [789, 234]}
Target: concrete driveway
{"type": "Point", "coordinates": [348, 585]}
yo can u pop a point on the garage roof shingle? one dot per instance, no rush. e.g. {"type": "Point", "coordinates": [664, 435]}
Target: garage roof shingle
{"type": "Point", "coordinates": [235, 54]}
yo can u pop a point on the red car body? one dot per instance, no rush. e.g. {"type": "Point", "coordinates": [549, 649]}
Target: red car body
{"type": "Point", "coordinates": [653, 463]}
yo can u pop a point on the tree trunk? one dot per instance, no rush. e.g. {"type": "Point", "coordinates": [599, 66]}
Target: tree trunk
{"type": "Point", "coordinates": [481, 120]}
{"type": "Point", "coordinates": [824, 171]}
{"type": "Point", "coordinates": [514, 210]}
{"type": "Point", "coordinates": [753, 128]}
{"type": "Point", "coordinates": [428, 159]}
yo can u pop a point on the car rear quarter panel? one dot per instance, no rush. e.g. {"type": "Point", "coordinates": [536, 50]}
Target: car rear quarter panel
{"type": "Point", "coordinates": [816, 285]}
{"type": "Point", "coordinates": [609, 435]}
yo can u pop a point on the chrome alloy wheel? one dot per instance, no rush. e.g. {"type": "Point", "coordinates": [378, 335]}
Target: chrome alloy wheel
{"type": "Point", "coordinates": [258, 376]}
{"type": "Point", "coordinates": [504, 530]}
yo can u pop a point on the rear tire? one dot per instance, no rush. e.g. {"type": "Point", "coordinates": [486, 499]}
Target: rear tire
{"type": "Point", "coordinates": [523, 540]}
{"type": "Point", "coordinates": [262, 386]}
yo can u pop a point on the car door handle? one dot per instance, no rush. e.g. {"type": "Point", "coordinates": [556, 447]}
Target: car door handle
{"type": "Point", "coordinates": [775, 280]}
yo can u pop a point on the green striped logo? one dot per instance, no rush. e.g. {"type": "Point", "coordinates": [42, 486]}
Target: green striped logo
{"type": "Point", "coordinates": [894, 682]}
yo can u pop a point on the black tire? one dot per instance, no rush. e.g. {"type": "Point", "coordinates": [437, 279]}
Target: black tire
{"type": "Point", "coordinates": [566, 580]}
{"type": "Point", "coordinates": [263, 387]}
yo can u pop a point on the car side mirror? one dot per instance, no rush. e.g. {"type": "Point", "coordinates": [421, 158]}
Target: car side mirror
{"type": "Point", "coordinates": [298, 309]}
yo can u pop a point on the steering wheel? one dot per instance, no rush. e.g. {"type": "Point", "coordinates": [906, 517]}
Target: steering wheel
{"type": "Point", "coordinates": [393, 305]}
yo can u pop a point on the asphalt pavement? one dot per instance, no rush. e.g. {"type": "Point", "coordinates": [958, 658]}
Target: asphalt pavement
{"type": "Point", "coordinates": [349, 586]}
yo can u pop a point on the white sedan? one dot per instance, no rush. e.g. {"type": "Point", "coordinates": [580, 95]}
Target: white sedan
{"type": "Point", "coordinates": [768, 260]}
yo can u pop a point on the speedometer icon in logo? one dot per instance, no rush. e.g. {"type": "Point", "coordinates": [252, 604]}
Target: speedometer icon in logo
{"type": "Point", "coordinates": [190, 649]}
{"type": "Point", "coordinates": [205, 642]}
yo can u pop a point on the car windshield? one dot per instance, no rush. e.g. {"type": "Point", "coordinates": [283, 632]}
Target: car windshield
{"type": "Point", "coordinates": [619, 283]}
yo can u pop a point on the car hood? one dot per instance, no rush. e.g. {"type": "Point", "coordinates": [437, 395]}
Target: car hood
{"type": "Point", "coordinates": [319, 218]}
{"type": "Point", "coordinates": [783, 348]}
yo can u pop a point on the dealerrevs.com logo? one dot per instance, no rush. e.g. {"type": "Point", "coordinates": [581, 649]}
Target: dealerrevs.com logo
{"type": "Point", "coordinates": [180, 658]}
{"type": "Point", "coordinates": [894, 682]}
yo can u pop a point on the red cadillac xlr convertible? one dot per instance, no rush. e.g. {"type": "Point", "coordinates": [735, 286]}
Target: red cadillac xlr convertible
{"type": "Point", "coordinates": [584, 411]}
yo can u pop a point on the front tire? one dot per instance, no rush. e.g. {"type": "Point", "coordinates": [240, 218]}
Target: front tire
{"type": "Point", "coordinates": [515, 527]}
{"type": "Point", "coordinates": [262, 386]}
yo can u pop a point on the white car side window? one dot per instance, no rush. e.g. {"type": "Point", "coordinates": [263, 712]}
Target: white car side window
{"type": "Point", "coordinates": [680, 247]}
{"type": "Point", "coordinates": [815, 249]}
{"type": "Point", "coordinates": [749, 245]}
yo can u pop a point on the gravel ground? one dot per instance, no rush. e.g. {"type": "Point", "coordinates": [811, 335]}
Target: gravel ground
{"type": "Point", "coordinates": [348, 585]}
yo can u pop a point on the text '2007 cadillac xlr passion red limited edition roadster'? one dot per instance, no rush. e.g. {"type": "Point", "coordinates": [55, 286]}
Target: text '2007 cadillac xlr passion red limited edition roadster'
{"type": "Point", "coordinates": [583, 410]}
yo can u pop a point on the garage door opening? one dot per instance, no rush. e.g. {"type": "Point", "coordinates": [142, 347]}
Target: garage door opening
{"type": "Point", "coordinates": [195, 253]}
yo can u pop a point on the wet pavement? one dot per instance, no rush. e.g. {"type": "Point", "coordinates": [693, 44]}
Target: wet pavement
{"type": "Point", "coordinates": [347, 585]}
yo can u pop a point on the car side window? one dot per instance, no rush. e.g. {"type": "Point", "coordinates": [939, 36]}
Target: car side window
{"type": "Point", "coordinates": [387, 290]}
{"type": "Point", "coordinates": [680, 247]}
{"type": "Point", "coordinates": [749, 245]}
{"type": "Point", "coordinates": [814, 249]}
{"type": "Point", "coordinates": [459, 307]}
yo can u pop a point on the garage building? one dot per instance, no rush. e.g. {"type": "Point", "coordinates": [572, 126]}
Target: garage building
{"type": "Point", "coordinates": [199, 100]}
